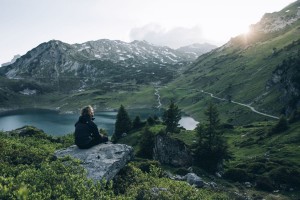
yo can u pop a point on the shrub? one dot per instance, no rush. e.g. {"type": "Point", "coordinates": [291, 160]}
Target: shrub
{"type": "Point", "coordinates": [281, 126]}
{"type": "Point", "coordinates": [264, 183]}
{"type": "Point", "coordinates": [145, 165]}
{"type": "Point", "coordinates": [236, 174]}
{"type": "Point", "coordinates": [181, 171]}
{"type": "Point", "coordinates": [285, 175]}
{"type": "Point", "coordinates": [256, 168]}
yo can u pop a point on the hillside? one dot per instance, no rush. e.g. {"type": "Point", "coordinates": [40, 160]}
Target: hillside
{"type": "Point", "coordinates": [66, 76]}
{"type": "Point", "coordinates": [29, 170]}
{"type": "Point", "coordinates": [260, 69]}
{"type": "Point", "coordinates": [264, 163]}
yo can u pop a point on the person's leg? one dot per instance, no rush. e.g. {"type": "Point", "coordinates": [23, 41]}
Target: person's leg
{"type": "Point", "coordinates": [104, 138]}
{"type": "Point", "coordinates": [94, 141]}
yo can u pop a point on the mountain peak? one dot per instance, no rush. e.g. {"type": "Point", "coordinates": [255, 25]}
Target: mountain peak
{"type": "Point", "coordinates": [273, 22]}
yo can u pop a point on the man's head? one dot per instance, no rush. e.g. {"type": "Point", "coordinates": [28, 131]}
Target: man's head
{"type": "Point", "coordinates": [88, 110]}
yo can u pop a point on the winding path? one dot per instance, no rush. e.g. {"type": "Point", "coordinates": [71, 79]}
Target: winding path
{"type": "Point", "coordinates": [158, 98]}
{"type": "Point", "coordinates": [241, 104]}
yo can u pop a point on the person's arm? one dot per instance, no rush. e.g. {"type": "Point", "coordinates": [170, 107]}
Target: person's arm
{"type": "Point", "coordinates": [94, 129]}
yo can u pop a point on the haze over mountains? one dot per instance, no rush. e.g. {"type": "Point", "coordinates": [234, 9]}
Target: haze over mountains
{"type": "Point", "coordinates": [260, 69]}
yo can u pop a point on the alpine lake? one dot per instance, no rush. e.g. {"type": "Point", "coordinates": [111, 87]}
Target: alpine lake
{"type": "Point", "coordinates": [57, 124]}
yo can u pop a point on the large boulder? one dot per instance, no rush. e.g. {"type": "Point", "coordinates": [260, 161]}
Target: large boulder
{"type": "Point", "coordinates": [102, 161]}
{"type": "Point", "coordinates": [171, 151]}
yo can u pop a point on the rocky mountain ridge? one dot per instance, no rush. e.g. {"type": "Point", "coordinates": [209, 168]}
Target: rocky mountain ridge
{"type": "Point", "coordinates": [12, 61]}
{"type": "Point", "coordinates": [272, 22]}
{"type": "Point", "coordinates": [92, 59]}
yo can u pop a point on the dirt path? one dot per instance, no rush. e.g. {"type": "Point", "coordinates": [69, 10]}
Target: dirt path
{"type": "Point", "coordinates": [241, 104]}
{"type": "Point", "coordinates": [158, 98]}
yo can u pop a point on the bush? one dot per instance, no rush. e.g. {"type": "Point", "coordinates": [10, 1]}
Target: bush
{"type": "Point", "coordinates": [264, 183]}
{"type": "Point", "coordinates": [133, 183]}
{"type": "Point", "coordinates": [285, 175]}
{"type": "Point", "coordinates": [282, 125]}
{"type": "Point", "coordinates": [236, 174]}
{"type": "Point", "coordinates": [181, 171]}
{"type": "Point", "coordinates": [145, 165]}
{"type": "Point", "coordinates": [256, 168]}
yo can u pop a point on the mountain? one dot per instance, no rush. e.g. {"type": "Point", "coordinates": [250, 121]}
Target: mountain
{"type": "Point", "coordinates": [12, 61]}
{"type": "Point", "coordinates": [96, 67]}
{"type": "Point", "coordinates": [259, 69]}
{"type": "Point", "coordinates": [252, 77]}
{"type": "Point", "coordinates": [105, 60]}
{"type": "Point", "coordinates": [196, 49]}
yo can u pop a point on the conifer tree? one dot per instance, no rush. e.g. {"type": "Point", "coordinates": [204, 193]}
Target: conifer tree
{"type": "Point", "coordinates": [123, 123]}
{"type": "Point", "coordinates": [146, 143]}
{"type": "Point", "coordinates": [137, 122]}
{"type": "Point", "coordinates": [211, 148]}
{"type": "Point", "coordinates": [171, 117]}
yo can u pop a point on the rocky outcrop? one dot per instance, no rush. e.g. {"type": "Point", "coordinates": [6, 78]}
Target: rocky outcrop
{"type": "Point", "coordinates": [285, 78]}
{"type": "Point", "coordinates": [171, 151]}
{"type": "Point", "coordinates": [272, 22]}
{"type": "Point", "coordinates": [102, 161]}
{"type": "Point", "coordinates": [193, 179]}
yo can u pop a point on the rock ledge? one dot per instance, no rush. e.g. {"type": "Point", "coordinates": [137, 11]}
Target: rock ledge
{"type": "Point", "coordinates": [102, 161]}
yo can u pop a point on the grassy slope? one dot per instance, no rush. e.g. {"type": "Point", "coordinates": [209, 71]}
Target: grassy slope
{"type": "Point", "coordinates": [241, 70]}
{"type": "Point", "coordinates": [28, 170]}
{"type": "Point", "coordinates": [253, 150]}
{"type": "Point", "coordinates": [141, 96]}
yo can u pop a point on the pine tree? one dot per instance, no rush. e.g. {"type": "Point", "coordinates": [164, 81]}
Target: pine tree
{"type": "Point", "coordinates": [171, 117]}
{"type": "Point", "coordinates": [123, 123]}
{"type": "Point", "coordinates": [213, 123]}
{"type": "Point", "coordinates": [211, 148]}
{"type": "Point", "coordinates": [146, 143]}
{"type": "Point", "coordinates": [137, 122]}
{"type": "Point", "coordinates": [150, 121]}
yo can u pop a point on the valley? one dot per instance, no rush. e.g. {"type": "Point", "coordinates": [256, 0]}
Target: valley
{"type": "Point", "coordinates": [202, 122]}
{"type": "Point", "coordinates": [245, 71]}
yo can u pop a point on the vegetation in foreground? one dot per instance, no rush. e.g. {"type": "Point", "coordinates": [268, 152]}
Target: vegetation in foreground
{"type": "Point", "coordinates": [264, 156]}
{"type": "Point", "coordinates": [29, 171]}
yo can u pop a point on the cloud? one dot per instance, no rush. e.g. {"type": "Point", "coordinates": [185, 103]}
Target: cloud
{"type": "Point", "coordinates": [175, 37]}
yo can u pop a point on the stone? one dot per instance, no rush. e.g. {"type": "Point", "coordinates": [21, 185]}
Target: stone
{"type": "Point", "coordinates": [248, 184]}
{"type": "Point", "coordinates": [193, 179]}
{"type": "Point", "coordinates": [213, 185]}
{"type": "Point", "coordinates": [171, 151]}
{"type": "Point", "coordinates": [102, 161]}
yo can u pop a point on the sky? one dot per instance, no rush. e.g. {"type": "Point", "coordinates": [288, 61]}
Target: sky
{"type": "Point", "coordinates": [24, 24]}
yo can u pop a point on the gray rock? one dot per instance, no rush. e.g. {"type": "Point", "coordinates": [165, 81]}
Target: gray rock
{"type": "Point", "coordinates": [171, 151]}
{"type": "Point", "coordinates": [102, 161]}
{"type": "Point", "coordinates": [155, 191]}
{"type": "Point", "coordinates": [193, 179]}
{"type": "Point", "coordinates": [213, 185]}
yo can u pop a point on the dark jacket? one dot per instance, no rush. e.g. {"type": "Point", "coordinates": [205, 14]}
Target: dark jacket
{"type": "Point", "coordinates": [85, 130]}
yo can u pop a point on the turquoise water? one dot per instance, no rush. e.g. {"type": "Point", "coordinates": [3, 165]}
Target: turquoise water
{"type": "Point", "coordinates": [53, 123]}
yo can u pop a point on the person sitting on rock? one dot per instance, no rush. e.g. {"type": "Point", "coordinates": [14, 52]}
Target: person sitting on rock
{"type": "Point", "coordinates": [86, 131]}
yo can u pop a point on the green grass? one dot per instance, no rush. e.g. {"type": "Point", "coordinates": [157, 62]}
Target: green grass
{"type": "Point", "coordinates": [28, 170]}
{"type": "Point", "coordinates": [133, 137]}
